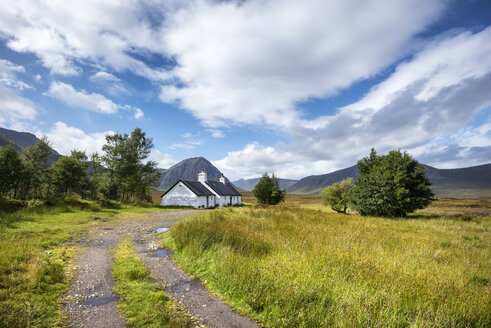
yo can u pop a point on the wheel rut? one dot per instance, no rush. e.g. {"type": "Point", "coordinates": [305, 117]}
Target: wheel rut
{"type": "Point", "coordinates": [90, 301]}
{"type": "Point", "coordinates": [189, 292]}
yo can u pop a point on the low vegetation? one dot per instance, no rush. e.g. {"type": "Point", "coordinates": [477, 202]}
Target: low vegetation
{"type": "Point", "coordinates": [291, 266]}
{"type": "Point", "coordinates": [338, 195]}
{"type": "Point", "coordinates": [37, 242]}
{"type": "Point", "coordinates": [143, 301]}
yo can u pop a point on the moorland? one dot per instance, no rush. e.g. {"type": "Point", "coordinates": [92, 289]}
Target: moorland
{"type": "Point", "coordinates": [298, 264]}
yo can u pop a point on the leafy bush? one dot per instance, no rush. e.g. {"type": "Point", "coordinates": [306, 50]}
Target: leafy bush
{"type": "Point", "coordinates": [392, 185]}
{"type": "Point", "coordinates": [338, 195]}
{"type": "Point", "coordinates": [33, 203]}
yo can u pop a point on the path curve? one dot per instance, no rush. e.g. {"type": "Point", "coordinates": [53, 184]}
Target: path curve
{"type": "Point", "coordinates": [90, 301]}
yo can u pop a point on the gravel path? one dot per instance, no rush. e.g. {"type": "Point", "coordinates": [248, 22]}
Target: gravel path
{"type": "Point", "coordinates": [90, 301]}
{"type": "Point", "coordinates": [210, 309]}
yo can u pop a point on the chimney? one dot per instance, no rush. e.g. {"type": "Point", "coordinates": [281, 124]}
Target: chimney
{"type": "Point", "coordinates": [202, 176]}
{"type": "Point", "coordinates": [222, 179]}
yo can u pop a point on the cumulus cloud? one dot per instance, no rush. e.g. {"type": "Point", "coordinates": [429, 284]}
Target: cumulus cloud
{"type": "Point", "coordinates": [8, 75]}
{"type": "Point", "coordinates": [163, 160]}
{"type": "Point", "coordinates": [66, 138]}
{"type": "Point", "coordinates": [81, 99]}
{"type": "Point", "coordinates": [252, 62]}
{"type": "Point", "coordinates": [64, 34]}
{"type": "Point", "coordinates": [433, 95]}
{"type": "Point", "coordinates": [14, 108]}
{"type": "Point", "coordinates": [94, 102]}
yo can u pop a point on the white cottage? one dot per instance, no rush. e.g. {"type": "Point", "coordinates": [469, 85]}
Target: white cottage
{"type": "Point", "coordinates": [202, 193]}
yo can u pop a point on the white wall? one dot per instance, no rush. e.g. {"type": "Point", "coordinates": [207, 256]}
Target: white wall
{"type": "Point", "coordinates": [181, 195]}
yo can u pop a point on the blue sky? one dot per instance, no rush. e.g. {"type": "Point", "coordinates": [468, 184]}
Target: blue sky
{"type": "Point", "coordinates": [294, 87]}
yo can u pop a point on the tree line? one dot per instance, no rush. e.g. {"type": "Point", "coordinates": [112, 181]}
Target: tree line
{"type": "Point", "coordinates": [118, 174]}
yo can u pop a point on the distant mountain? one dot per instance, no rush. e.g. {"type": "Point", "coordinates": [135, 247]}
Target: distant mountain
{"type": "Point", "coordinates": [249, 184]}
{"type": "Point", "coordinates": [315, 183]}
{"type": "Point", "coordinates": [188, 169]}
{"type": "Point", "coordinates": [5, 142]}
{"type": "Point", "coordinates": [472, 181]}
{"type": "Point", "coordinates": [465, 182]}
{"type": "Point", "coordinates": [22, 140]}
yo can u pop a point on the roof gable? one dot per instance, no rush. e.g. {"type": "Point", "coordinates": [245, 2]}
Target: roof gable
{"type": "Point", "coordinates": [196, 187]}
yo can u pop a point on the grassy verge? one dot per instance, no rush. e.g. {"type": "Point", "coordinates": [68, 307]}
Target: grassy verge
{"type": "Point", "coordinates": [36, 246]}
{"type": "Point", "coordinates": [143, 302]}
{"type": "Point", "coordinates": [300, 267]}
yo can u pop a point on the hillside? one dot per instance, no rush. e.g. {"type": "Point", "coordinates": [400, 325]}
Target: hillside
{"type": "Point", "coordinates": [188, 169]}
{"type": "Point", "coordinates": [249, 184]}
{"type": "Point", "coordinates": [464, 182]}
{"type": "Point", "coordinates": [315, 183]}
{"type": "Point", "coordinates": [22, 140]}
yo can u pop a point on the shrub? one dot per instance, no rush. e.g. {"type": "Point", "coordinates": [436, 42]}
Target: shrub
{"type": "Point", "coordinates": [392, 185]}
{"type": "Point", "coordinates": [338, 195]}
{"type": "Point", "coordinates": [34, 203]}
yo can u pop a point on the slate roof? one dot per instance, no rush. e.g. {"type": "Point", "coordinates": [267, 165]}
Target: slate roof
{"type": "Point", "coordinates": [195, 186]}
{"type": "Point", "coordinates": [223, 189]}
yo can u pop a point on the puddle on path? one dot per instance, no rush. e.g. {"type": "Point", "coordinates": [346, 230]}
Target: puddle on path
{"type": "Point", "coordinates": [181, 288]}
{"type": "Point", "coordinates": [162, 229]}
{"type": "Point", "coordinates": [160, 252]}
{"type": "Point", "coordinates": [98, 301]}
{"type": "Point", "coordinates": [185, 286]}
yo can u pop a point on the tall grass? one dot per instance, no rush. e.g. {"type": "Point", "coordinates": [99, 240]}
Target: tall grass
{"type": "Point", "coordinates": [36, 246]}
{"type": "Point", "coordinates": [300, 267]}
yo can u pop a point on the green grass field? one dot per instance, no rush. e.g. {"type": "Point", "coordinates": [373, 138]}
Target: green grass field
{"type": "Point", "coordinates": [302, 265]}
{"type": "Point", "coordinates": [36, 247]}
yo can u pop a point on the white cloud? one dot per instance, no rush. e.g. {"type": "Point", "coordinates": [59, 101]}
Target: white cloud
{"type": "Point", "coordinates": [252, 62]}
{"type": "Point", "coordinates": [190, 142]}
{"type": "Point", "coordinates": [81, 99]}
{"type": "Point", "coordinates": [66, 138]}
{"type": "Point", "coordinates": [188, 145]}
{"type": "Point", "coordinates": [216, 133]}
{"type": "Point", "coordinates": [8, 75]}
{"type": "Point", "coordinates": [163, 160]}
{"type": "Point", "coordinates": [427, 98]}
{"type": "Point", "coordinates": [138, 113]}
{"type": "Point", "coordinates": [94, 102]}
{"type": "Point", "coordinates": [104, 76]}
{"type": "Point", "coordinates": [14, 108]}
{"type": "Point", "coordinates": [64, 34]}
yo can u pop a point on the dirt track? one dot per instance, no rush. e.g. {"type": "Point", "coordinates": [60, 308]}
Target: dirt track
{"type": "Point", "coordinates": [90, 301]}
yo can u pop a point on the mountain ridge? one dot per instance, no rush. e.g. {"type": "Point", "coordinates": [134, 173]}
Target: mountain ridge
{"type": "Point", "coordinates": [474, 181]}
{"type": "Point", "coordinates": [23, 140]}
{"type": "Point", "coordinates": [188, 169]}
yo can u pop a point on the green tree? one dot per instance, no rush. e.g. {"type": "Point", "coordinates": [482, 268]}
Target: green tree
{"type": "Point", "coordinates": [11, 169]}
{"type": "Point", "coordinates": [35, 178]}
{"type": "Point", "coordinates": [68, 174]}
{"type": "Point", "coordinates": [338, 195]}
{"type": "Point", "coordinates": [128, 177]}
{"type": "Point", "coordinates": [391, 185]}
{"type": "Point", "coordinates": [267, 190]}
{"type": "Point", "coordinates": [95, 176]}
